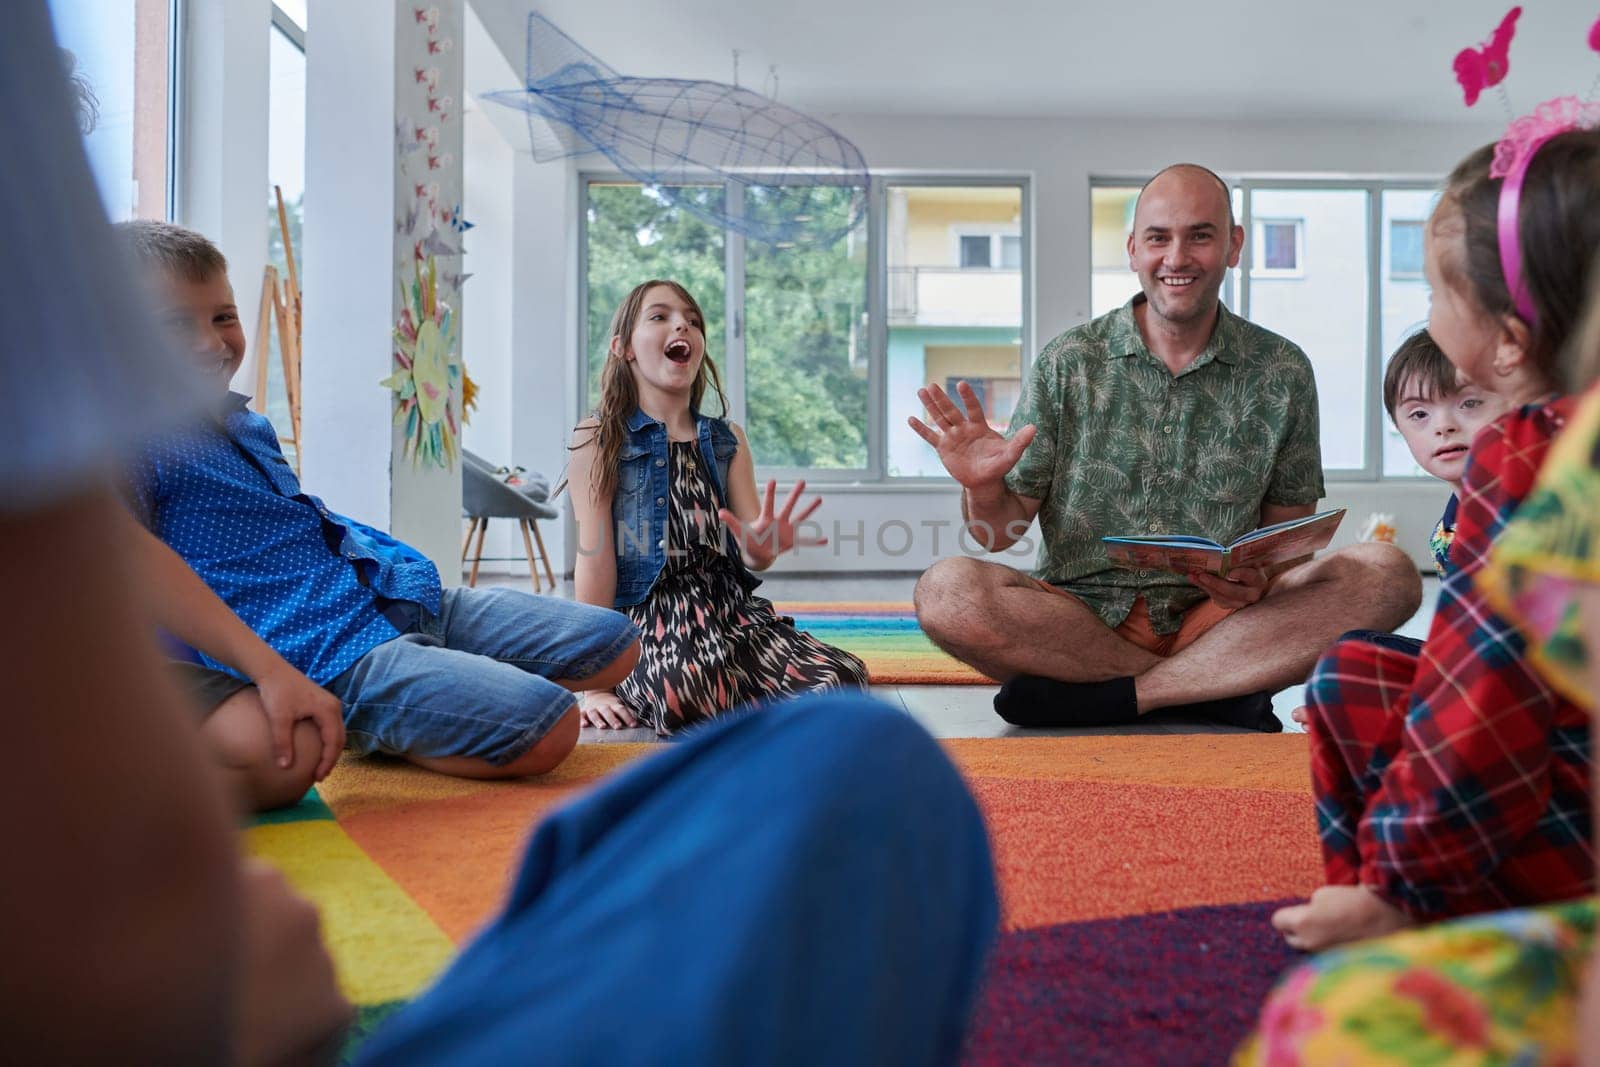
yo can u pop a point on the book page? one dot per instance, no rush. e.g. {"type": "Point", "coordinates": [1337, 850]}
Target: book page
{"type": "Point", "coordinates": [1177, 559]}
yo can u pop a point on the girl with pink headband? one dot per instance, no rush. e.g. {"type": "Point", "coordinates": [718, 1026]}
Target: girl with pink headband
{"type": "Point", "coordinates": [1458, 781]}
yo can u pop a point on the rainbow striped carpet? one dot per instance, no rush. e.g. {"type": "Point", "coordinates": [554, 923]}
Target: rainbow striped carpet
{"type": "Point", "coordinates": [886, 637]}
{"type": "Point", "coordinates": [1136, 874]}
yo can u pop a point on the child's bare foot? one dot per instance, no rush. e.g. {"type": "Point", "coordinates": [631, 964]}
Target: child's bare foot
{"type": "Point", "coordinates": [1336, 914]}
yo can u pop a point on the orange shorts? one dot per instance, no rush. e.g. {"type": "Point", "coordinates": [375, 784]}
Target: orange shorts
{"type": "Point", "coordinates": [1136, 628]}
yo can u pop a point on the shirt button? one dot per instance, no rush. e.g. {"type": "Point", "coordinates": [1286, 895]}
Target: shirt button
{"type": "Point", "coordinates": [660, 500]}
{"type": "Point", "coordinates": [1144, 574]}
{"type": "Point", "coordinates": [1167, 428]}
{"type": "Point", "coordinates": [661, 463]}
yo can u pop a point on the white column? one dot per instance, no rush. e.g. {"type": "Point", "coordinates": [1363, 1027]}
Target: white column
{"type": "Point", "coordinates": [365, 219]}
{"type": "Point", "coordinates": [222, 184]}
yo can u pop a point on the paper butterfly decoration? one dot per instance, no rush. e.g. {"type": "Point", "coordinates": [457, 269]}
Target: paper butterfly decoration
{"type": "Point", "coordinates": [1485, 66]}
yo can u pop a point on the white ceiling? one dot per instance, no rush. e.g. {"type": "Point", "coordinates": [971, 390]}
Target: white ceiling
{"type": "Point", "coordinates": [1246, 59]}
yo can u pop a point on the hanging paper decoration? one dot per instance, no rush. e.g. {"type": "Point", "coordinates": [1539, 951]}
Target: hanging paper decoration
{"type": "Point", "coordinates": [798, 180]}
{"type": "Point", "coordinates": [428, 375]}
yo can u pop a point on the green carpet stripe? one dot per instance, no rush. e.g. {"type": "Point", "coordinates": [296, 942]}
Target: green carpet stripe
{"type": "Point", "coordinates": [310, 809]}
{"type": "Point", "coordinates": [368, 1018]}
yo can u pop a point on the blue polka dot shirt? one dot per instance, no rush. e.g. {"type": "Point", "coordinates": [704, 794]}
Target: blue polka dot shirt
{"type": "Point", "coordinates": [321, 589]}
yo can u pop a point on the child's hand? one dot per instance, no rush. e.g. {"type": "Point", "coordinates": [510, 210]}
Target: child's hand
{"type": "Point", "coordinates": [769, 536]}
{"type": "Point", "coordinates": [1335, 915]}
{"type": "Point", "coordinates": [603, 708]}
{"type": "Point", "coordinates": [287, 696]}
{"type": "Point", "coordinates": [1301, 715]}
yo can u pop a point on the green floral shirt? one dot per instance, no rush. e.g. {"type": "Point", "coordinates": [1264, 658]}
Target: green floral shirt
{"type": "Point", "coordinates": [1125, 447]}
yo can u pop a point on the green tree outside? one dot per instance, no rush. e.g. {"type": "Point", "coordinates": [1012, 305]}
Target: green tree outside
{"type": "Point", "coordinates": [804, 310]}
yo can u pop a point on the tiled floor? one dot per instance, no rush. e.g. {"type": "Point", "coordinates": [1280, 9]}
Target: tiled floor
{"type": "Point", "coordinates": [959, 710]}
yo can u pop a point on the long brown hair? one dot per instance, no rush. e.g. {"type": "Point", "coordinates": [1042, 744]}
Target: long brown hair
{"type": "Point", "coordinates": [1583, 355]}
{"type": "Point", "coordinates": [619, 397]}
{"type": "Point", "coordinates": [1558, 226]}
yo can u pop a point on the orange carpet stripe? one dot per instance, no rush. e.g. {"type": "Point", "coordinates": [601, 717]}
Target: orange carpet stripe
{"type": "Point", "coordinates": [1083, 827]}
{"type": "Point", "coordinates": [1276, 762]}
{"type": "Point", "coordinates": [1066, 851]}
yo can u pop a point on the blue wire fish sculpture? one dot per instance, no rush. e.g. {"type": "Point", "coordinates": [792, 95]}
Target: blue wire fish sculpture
{"type": "Point", "coordinates": [793, 180]}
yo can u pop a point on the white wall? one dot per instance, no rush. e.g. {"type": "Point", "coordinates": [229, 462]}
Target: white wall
{"type": "Point", "coordinates": [489, 163]}
{"type": "Point", "coordinates": [349, 279]}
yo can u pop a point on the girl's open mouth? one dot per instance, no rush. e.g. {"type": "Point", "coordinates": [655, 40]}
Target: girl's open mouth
{"type": "Point", "coordinates": [678, 351]}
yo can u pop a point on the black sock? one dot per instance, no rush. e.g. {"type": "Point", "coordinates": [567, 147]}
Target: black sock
{"type": "Point", "coordinates": [1028, 700]}
{"type": "Point", "coordinates": [1252, 711]}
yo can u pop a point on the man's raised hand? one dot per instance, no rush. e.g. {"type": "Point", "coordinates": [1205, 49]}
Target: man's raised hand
{"type": "Point", "coordinates": [975, 454]}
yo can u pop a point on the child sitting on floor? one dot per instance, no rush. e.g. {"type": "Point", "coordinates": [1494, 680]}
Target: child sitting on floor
{"type": "Point", "coordinates": [1456, 781]}
{"type": "Point", "coordinates": [470, 682]}
{"type": "Point", "coordinates": [1437, 413]}
{"type": "Point", "coordinates": [670, 528]}
{"type": "Point", "coordinates": [1506, 986]}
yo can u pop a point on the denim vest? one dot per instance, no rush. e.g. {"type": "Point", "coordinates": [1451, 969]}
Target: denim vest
{"type": "Point", "coordinates": [639, 505]}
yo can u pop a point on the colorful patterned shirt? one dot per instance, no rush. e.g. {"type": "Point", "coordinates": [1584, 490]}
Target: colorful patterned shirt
{"type": "Point", "coordinates": [1550, 552]}
{"type": "Point", "coordinates": [1443, 536]}
{"type": "Point", "coordinates": [321, 589]}
{"type": "Point", "coordinates": [1124, 446]}
{"type": "Point", "coordinates": [1488, 751]}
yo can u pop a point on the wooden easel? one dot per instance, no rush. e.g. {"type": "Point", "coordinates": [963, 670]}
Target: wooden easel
{"type": "Point", "coordinates": [281, 304]}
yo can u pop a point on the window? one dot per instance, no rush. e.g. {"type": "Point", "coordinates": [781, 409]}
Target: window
{"type": "Point", "coordinates": [985, 251]}
{"type": "Point", "coordinates": [1405, 249]}
{"type": "Point", "coordinates": [948, 325]}
{"type": "Point", "coordinates": [122, 51]}
{"type": "Point", "coordinates": [975, 252]}
{"type": "Point", "coordinates": [820, 360]}
{"type": "Point", "coordinates": [1323, 311]}
{"type": "Point", "coordinates": [1330, 311]}
{"type": "Point", "coordinates": [286, 171]}
{"type": "Point", "coordinates": [1404, 297]}
{"type": "Point", "coordinates": [1277, 248]}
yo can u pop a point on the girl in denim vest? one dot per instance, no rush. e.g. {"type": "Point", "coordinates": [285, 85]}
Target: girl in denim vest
{"type": "Point", "coordinates": [670, 528]}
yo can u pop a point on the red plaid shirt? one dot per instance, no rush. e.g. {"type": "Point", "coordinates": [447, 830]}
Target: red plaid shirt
{"type": "Point", "coordinates": [1490, 757]}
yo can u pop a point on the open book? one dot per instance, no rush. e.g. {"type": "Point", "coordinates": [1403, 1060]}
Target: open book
{"type": "Point", "coordinates": [1181, 554]}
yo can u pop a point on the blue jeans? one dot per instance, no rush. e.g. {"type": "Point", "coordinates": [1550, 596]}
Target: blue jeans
{"type": "Point", "coordinates": [475, 680]}
{"type": "Point", "coordinates": [804, 884]}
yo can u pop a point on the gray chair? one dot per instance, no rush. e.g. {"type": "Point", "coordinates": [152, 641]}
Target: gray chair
{"type": "Point", "coordinates": [485, 495]}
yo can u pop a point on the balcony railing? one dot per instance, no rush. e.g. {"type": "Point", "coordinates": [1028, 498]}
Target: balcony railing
{"type": "Point", "coordinates": [955, 296]}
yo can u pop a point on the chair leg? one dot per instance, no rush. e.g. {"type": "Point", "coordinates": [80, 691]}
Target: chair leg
{"type": "Point", "coordinates": [477, 555]}
{"type": "Point", "coordinates": [527, 544]}
{"type": "Point", "coordinates": [466, 542]}
{"type": "Point", "coordinates": [537, 536]}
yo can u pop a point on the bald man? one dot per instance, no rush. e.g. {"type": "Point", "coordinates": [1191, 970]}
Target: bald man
{"type": "Point", "coordinates": [1167, 415]}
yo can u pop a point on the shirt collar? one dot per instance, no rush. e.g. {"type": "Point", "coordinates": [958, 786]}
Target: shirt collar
{"type": "Point", "coordinates": [1123, 337]}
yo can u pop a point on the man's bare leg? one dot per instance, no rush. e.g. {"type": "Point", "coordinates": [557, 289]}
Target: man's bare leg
{"type": "Point", "coordinates": [1000, 622]}
{"type": "Point", "coordinates": [1275, 643]}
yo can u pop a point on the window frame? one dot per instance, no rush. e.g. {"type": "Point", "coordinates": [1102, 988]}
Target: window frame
{"type": "Point", "coordinates": [875, 230]}
{"type": "Point", "coordinates": [1258, 237]}
{"type": "Point", "coordinates": [1236, 287]}
{"type": "Point", "coordinates": [1406, 275]}
{"type": "Point", "coordinates": [996, 235]}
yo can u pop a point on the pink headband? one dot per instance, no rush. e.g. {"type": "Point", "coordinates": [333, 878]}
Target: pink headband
{"type": "Point", "coordinates": [1483, 67]}
{"type": "Point", "coordinates": [1522, 140]}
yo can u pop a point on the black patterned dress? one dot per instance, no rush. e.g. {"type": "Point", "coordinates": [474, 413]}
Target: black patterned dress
{"type": "Point", "coordinates": [709, 643]}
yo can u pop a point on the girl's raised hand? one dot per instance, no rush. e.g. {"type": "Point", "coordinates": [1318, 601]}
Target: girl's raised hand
{"type": "Point", "coordinates": [768, 536]}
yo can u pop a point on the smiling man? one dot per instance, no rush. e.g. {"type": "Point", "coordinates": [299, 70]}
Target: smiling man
{"type": "Point", "coordinates": [1168, 415]}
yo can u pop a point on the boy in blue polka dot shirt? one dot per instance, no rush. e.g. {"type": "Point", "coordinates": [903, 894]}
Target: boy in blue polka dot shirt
{"type": "Point", "coordinates": [470, 682]}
